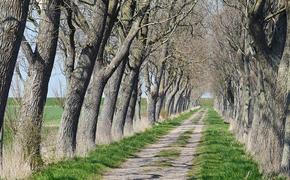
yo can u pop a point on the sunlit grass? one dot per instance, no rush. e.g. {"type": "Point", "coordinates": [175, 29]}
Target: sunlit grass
{"type": "Point", "coordinates": [220, 156]}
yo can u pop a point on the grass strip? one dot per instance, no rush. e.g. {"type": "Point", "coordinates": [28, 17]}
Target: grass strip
{"type": "Point", "coordinates": [169, 153]}
{"type": "Point", "coordinates": [165, 157]}
{"type": "Point", "coordinates": [220, 156]}
{"type": "Point", "coordinates": [183, 139]}
{"type": "Point", "coordinates": [108, 156]}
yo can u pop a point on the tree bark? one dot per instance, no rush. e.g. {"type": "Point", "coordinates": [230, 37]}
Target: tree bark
{"type": "Point", "coordinates": [88, 120]}
{"type": "Point", "coordinates": [91, 106]}
{"type": "Point", "coordinates": [1, 147]}
{"type": "Point", "coordinates": [28, 136]}
{"type": "Point", "coordinates": [128, 128]}
{"type": "Point", "coordinates": [159, 105]}
{"type": "Point", "coordinates": [285, 164]}
{"type": "Point", "coordinates": [80, 78]}
{"type": "Point", "coordinates": [285, 77]}
{"type": "Point", "coordinates": [138, 104]}
{"type": "Point", "coordinates": [151, 108]}
{"type": "Point", "coordinates": [268, 127]}
{"type": "Point", "coordinates": [164, 87]}
{"type": "Point", "coordinates": [171, 95]}
{"type": "Point", "coordinates": [103, 135]}
{"type": "Point", "coordinates": [121, 53]}
{"type": "Point", "coordinates": [125, 97]}
{"type": "Point", "coordinates": [177, 98]}
{"type": "Point", "coordinates": [13, 19]}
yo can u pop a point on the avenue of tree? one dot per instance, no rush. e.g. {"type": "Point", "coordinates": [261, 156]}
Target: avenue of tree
{"type": "Point", "coordinates": [250, 68]}
{"type": "Point", "coordinates": [114, 50]}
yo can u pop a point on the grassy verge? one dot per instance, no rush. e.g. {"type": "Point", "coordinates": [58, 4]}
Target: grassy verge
{"type": "Point", "coordinates": [108, 156]}
{"type": "Point", "coordinates": [220, 156]}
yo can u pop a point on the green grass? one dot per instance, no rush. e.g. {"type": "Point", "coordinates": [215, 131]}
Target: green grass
{"type": "Point", "coordinates": [183, 139]}
{"type": "Point", "coordinates": [220, 156]}
{"type": "Point", "coordinates": [52, 115]}
{"type": "Point", "coordinates": [53, 111]}
{"type": "Point", "coordinates": [169, 153]}
{"type": "Point", "coordinates": [162, 164]}
{"type": "Point", "coordinates": [108, 156]}
{"type": "Point", "coordinates": [166, 156]}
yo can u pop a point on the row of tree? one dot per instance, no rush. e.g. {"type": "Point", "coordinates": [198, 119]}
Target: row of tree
{"type": "Point", "coordinates": [112, 48]}
{"type": "Point", "coordinates": [250, 67]}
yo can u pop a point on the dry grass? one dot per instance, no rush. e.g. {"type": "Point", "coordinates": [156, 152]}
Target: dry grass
{"type": "Point", "coordinates": [141, 125]}
{"type": "Point", "coordinates": [14, 166]}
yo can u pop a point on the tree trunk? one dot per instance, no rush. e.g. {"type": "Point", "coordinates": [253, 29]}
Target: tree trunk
{"type": "Point", "coordinates": [171, 95]}
{"type": "Point", "coordinates": [268, 128]}
{"type": "Point", "coordinates": [1, 147]}
{"type": "Point", "coordinates": [79, 82]}
{"type": "Point", "coordinates": [171, 106]}
{"type": "Point", "coordinates": [285, 164]}
{"type": "Point", "coordinates": [138, 105]}
{"type": "Point", "coordinates": [89, 113]}
{"type": "Point", "coordinates": [128, 128]}
{"type": "Point", "coordinates": [125, 97]}
{"type": "Point", "coordinates": [187, 101]}
{"type": "Point", "coordinates": [28, 136]}
{"type": "Point", "coordinates": [151, 108]}
{"type": "Point", "coordinates": [177, 99]}
{"type": "Point", "coordinates": [164, 87]}
{"type": "Point", "coordinates": [13, 19]}
{"type": "Point", "coordinates": [92, 102]}
{"type": "Point", "coordinates": [285, 77]}
{"type": "Point", "coordinates": [159, 105]}
{"type": "Point", "coordinates": [103, 134]}
{"type": "Point", "coordinates": [81, 77]}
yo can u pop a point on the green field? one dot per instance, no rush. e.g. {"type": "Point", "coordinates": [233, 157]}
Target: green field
{"type": "Point", "coordinates": [51, 117]}
{"type": "Point", "coordinates": [53, 111]}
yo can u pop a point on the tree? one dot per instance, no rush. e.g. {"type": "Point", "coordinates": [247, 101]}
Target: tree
{"type": "Point", "coordinates": [79, 81]}
{"type": "Point", "coordinates": [41, 60]}
{"type": "Point", "coordinates": [250, 81]}
{"type": "Point", "coordinates": [13, 19]}
{"type": "Point", "coordinates": [78, 86]}
{"type": "Point", "coordinates": [101, 74]}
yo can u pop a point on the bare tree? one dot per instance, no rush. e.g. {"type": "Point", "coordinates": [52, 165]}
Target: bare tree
{"type": "Point", "coordinates": [41, 60]}
{"type": "Point", "coordinates": [79, 81]}
{"type": "Point", "coordinates": [99, 79]}
{"type": "Point", "coordinates": [13, 19]}
{"type": "Point", "coordinates": [250, 82]}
